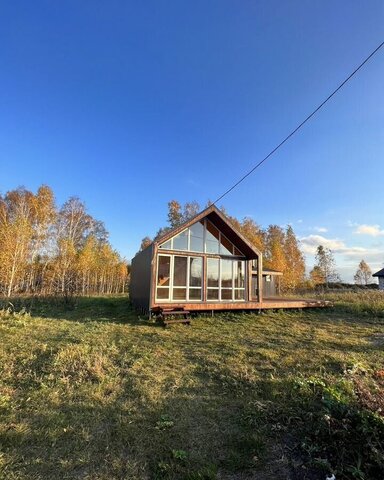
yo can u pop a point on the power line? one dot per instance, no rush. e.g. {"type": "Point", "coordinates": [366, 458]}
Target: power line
{"type": "Point", "coordinates": [301, 124]}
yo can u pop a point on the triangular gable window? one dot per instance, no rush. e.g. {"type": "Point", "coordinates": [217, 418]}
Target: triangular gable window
{"type": "Point", "coordinates": [202, 237]}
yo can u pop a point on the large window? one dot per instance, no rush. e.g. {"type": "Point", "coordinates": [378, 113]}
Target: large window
{"type": "Point", "coordinates": [202, 237]}
{"type": "Point", "coordinates": [179, 278]}
{"type": "Point", "coordinates": [225, 279]}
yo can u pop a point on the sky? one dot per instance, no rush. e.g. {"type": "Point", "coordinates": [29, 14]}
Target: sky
{"type": "Point", "coordinates": [128, 105]}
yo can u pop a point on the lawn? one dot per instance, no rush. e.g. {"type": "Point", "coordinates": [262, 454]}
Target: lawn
{"type": "Point", "coordinates": [97, 392]}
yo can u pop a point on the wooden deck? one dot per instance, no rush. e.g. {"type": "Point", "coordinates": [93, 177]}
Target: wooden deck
{"type": "Point", "coordinates": [267, 303]}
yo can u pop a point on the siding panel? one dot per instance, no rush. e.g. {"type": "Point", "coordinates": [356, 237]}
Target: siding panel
{"type": "Point", "coordinates": [140, 284]}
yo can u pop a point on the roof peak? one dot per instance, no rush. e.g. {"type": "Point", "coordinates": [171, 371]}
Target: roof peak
{"type": "Point", "coordinates": [221, 218]}
{"type": "Point", "coordinates": [380, 273]}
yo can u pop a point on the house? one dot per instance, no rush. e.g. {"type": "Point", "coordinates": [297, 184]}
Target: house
{"type": "Point", "coordinates": [380, 275]}
{"type": "Point", "coordinates": [205, 265]}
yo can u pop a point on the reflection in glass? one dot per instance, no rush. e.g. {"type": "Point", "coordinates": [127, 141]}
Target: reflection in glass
{"type": "Point", "coordinates": [162, 293]}
{"type": "Point", "coordinates": [226, 247]}
{"type": "Point", "coordinates": [226, 273]}
{"type": "Point", "coordinates": [211, 238]}
{"type": "Point", "coordinates": [192, 239]}
{"type": "Point", "coordinates": [163, 270]}
{"type": "Point", "coordinates": [180, 242]}
{"type": "Point", "coordinates": [179, 294]}
{"type": "Point", "coordinates": [226, 294]}
{"type": "Point", "coordinates": [239, 294]}
{"type": "Point", "coordinates": [180, 272]}
{"type": "Point", "coordinates": [196, 233]}
{"type": "Point", "coordinates": [166, 245]}
{"type": "Point", "coordinates": [212, 294]}
{"type": "Point", "coordinates": [195, 271]}
{"type": "Point", "coordinates": [213, 272]}
{"type": "Point", "coordinates": [239, 269]}
{"type": "Point", "coordinates": [195, 293]}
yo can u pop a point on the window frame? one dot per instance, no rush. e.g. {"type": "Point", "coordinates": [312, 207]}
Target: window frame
{"type": "Point", "coordinates": [171, 285]}
{"type": "Point", "coordinates": [204, 251]}
{"type": "Point", "coordinates": [233, 289]}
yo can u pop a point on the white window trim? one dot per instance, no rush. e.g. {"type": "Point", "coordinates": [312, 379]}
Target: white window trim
{"type": "Point", "coordinates": [171, 273]}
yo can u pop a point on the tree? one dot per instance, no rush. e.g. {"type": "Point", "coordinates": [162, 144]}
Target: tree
{"type": "Point", "coordinates": [251, 231]}
{"type": "Point", "coordinates": [190, 210]}
{"type": "Point", "coordinates": [317, 276]}
{"type": "Point", "coordinates": [161, 232]}
{"type": "Point", "coordinates": [326, 264]}
{"type": "Point", "coordinates": [294, 258]}
{"type": "Point", "coordinates": [274, 256]}
{"type": "Point", "coordinates": [175, 216]}
{"type": "Point", "coordinates": [44, 250]}
{"type": "Point", "coordinates": [16, 234]}
{"type": "Point", "coordinates": [178, 214]}
{"type": "Point", "coordinates": [145, 242]}
{"type": "Point", "coordinates": [363, 274]}
{"type": "Point", "coordinates": [43, 223]}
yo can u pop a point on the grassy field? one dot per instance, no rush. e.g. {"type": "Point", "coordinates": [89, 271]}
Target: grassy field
{"type": "Point", "coordinates": [98, 393]}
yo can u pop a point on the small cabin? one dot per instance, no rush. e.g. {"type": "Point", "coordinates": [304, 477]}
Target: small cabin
{"type": "Point", "coordinates": [380, 276]}
{"type": "Point", "coordinates": [206, 264]}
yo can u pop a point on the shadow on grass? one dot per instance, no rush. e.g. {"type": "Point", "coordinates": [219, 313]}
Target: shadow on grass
{"type": "Point", "coordinates": [192, 433]}
{"type": "Point", "coordinates": [108, 309]}
{"type": "Point", "coordinates": [272, 429]}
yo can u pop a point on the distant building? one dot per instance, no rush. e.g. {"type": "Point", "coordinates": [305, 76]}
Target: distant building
{"type": "Point", "coordinates": [380, 275]}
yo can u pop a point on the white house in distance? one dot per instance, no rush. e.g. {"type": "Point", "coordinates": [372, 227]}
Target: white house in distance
{"type": "Point", "coordinates": [380, 275]}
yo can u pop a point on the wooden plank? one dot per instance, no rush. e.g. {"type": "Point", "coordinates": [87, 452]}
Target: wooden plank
{"type": "Point", "coordinates": [170, 321]}
{"type": "Point", "coordinates": [249, 280]}
{"type": "Point", "coordinates": [153, 275]}
{"type": "Point", "coordinates": [176, 313]}
{"type": "Point", "coordinates": [260, 278]}
{"type": "Point", "coordinates": [267, 304]}
{"type": "Point", "coordinates": [204, 284]}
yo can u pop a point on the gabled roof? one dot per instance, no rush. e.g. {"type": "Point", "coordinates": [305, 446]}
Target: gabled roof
{"type": "Point", "coordinates": [380, 273]}
{"type": "Point", "coordinates": [223, 224]}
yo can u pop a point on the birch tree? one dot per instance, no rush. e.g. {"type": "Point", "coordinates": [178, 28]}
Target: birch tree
{"type": "Point", "coordinates": [363, 274]}
{"type": "Point", "coordinates": [326, 263]}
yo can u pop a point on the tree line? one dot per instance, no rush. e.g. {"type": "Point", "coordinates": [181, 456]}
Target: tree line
{"type": "Point", "coordinates": [50, 250]}
{"type": "Point", "coordinates": [46, 250]}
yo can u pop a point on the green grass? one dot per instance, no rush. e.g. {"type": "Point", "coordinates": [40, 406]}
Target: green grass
{"type": "Point", "coordinates": [100, 393]}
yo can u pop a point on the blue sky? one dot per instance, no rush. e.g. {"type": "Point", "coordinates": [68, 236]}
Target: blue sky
{"type": "Point", "coordinates": [130, 104]}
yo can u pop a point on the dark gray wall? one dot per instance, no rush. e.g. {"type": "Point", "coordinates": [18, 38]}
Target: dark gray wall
{"type": "Point", "coordinates": [269, 288]}
{"type": "Point", "coordinates": [140, 282]}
